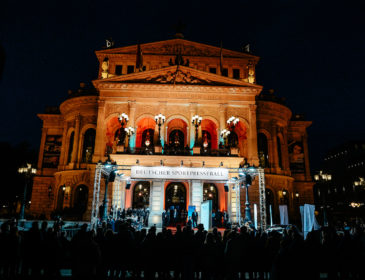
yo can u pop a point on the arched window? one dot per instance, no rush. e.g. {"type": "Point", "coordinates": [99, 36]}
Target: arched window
{"type": "Point", "coordinates": [60, 198]}
{"type": "Point", "coordinates": [262, 148]}
{"type": "Point", "coordinates": [147, 138]}
{"type": "Point", "coordinates": [280, 157]}
{"type": "Point", "coordinates": [70, 147]}
{"type": "Point", "coordinates": [141, 195]}
{"type": "Point", "coordinates": [232, 139]}
{"type": "Point", "coordinates": [80, 200]}
{"type": "Point", "coordinates": [210, 192]}
{"type": "Point", "coordinates": [89, 144]}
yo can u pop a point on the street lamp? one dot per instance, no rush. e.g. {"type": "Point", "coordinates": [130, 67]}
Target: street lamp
{"type": "Point", "coordinates": [110, 169]}
{"type": "Point", "coordinates": [130, 131]}
{"type": "Point", "coordinates": [323, 178]}
{"type": "Point", "coordinates": [232, 122]}
{"type": "Point", "coordinates": [123, 119]}
{"type": "Point", "coordinates": [224, 135]}
{"type": "Point", "coordinates": [28, 172]}
{"type": "Point", "coordinates": [160, 120]}
{"type": "Point", "coordinates": [196, 121]}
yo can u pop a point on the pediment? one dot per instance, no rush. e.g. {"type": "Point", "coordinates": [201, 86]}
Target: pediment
{"type": "Point", "coordinates": [175, 75]}
{"type": "Point", "coordinates": [173, 46]}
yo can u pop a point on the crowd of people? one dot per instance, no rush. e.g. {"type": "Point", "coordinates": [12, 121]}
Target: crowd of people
{"type": "Point", "coordinates": [237, 253]}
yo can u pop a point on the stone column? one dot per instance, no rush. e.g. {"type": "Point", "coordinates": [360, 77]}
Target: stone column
{"type": "Point", "coordinates": [197, 196]}
{"type": "Point", "coordinates": [306, 157]}
{"type": "Point", "coordinates": [252, 136]}
{"type": "Point", "coordinates": [63, 148]}
{"type": "Point", "coordinates": [41, 148]}
{"type": "Point", "coordinates": [156, 207]}
{"type": "Point", "coordinates": [76, 141]}
{"type": "Point", "coordinates": [100, 133]}
{"type": "Point", "coordinates": [274, 136]}
{"type": "Point", "coordinates": [222, 120]}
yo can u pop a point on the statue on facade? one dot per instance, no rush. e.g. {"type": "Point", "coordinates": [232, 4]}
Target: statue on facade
{"type": "Point", "coordinates": [251, 72]}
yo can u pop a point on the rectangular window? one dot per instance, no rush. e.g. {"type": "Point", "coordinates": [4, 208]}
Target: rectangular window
{"type": "Point", "coordinates": [213, 70]}
{"type": "Point", "coordinates": [130, 69]}
{"type": "Point", "coordinates": [118, 69]}
{"type": "Point", "coordinates": [225, 72]}
{"type": "Point", "coordinates": [236, 73]}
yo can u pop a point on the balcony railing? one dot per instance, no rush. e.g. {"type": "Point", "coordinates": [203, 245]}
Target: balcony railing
{"type": "Point", "coordinates": [178, 151]}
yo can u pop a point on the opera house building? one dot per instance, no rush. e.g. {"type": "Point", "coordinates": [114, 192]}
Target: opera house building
{"type": "Point", "coordinates": [172, 124]}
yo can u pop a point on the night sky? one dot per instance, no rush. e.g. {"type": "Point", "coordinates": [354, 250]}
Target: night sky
{"type": "Point", "coordinates": [312, 53]}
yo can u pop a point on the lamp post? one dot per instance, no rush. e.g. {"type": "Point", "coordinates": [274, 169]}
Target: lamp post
{"type": "Point", "coordinates": [28, 173]}
{"type": "Point", "coordinates": [196, 121]}
{"type": "Point", "coordinates": [232, 122]}
{"type": "Point", "coordinates": [123, 120]}
{"type": "Point", "coordinates": [160, 120]}
{"type": "Point", "coordinates": [130, 131]}
{"type": "Point", "coordinates": [110, 168]}
{"type": "Point", "coordinates": [224, 134]}
{"type": "Point", "coordinates": [323, 178]}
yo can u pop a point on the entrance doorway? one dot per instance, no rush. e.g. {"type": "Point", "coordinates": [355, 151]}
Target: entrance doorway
{"type": "Point", "coordinates": [175, 196]}
{"type": "Point", "coordinates": [141, 195]}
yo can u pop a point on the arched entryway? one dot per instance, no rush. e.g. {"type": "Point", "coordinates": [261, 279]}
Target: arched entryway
{"type": "Point", "coordinates": [176, 139]}
{"type": "Point", "coordinates": [209, 134]}
{"type": "Point", "coordinates": [60, 197]}
{"type": "Point", "coordinates": [141, 195]}
{"type": "Point", "coordinates": [210, 192]}
{"type": "Point", "coordinates": [145, 132]}
{"type": "Point", "coordinates": [175, 196]}
{"type": "Point", "coordinates": [80, 199]}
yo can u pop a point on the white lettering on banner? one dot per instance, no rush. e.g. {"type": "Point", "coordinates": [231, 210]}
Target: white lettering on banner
{"type": "Point", "coordinates": [184, 173]}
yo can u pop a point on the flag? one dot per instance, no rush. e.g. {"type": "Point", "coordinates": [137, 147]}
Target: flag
{"type": "Point", "coordinates": [139, 59]}
{"type": "Point", "coordinates": [221, 60]}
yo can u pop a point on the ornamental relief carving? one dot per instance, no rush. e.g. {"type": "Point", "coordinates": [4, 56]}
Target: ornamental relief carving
{"type": "Point", "coordinates": [111, 108]}
{"type": "Point", "coordinates": [72, 178]}
{"type": "Point", "coordinates": [173, 49]}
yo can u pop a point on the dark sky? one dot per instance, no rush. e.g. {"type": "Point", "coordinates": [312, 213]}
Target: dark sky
{"type": "Point", "coordinates": [312, 53]}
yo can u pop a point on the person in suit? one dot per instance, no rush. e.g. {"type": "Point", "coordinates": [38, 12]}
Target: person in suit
{"type": "Point", "coordinates": [175, 217]}
{"type": "Point", "coordinates": [225, 218]}
{"type": "Point", "coordinates": [194, 217]}
{"type": "Point", "coordinates": [168, 215]}
{"type": "Point", "coordinates": [163, 216]}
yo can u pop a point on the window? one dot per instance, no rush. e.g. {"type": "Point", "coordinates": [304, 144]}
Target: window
{"type": "Point", "coordinates": [225, 72]}
{"type": "Point", "coordinates": [118, 69]}
{"type": "Point", "coordinates": [236, 73]}
{"type": "Point", "coordinates": [130, 69]}
{"type": "Point", "coordinates": [88, 147]}
{"type": "Point", "coordinates": [213, 70]}
{"type": "Point", "coordinates": [263, 151]}
{"type": "Point", "coordinates": [70, 147]}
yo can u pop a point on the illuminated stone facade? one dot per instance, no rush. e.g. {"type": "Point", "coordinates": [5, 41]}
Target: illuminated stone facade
{"type": "Point", "coordinates": [179, 79]}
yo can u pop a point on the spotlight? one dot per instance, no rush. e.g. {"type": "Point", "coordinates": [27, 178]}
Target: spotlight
{"type": "Point", "coordinates": [221, 164]}
{"type": "Point", "coordinates": [137, 161]}
{"type": "Point", "coordinates": [203, 163]}
{"type": "Point", "coordinates": [128, 185]}
{"type": "Point", "coordinates": [182, 163]}
{"type": "Point", "coordinates": [226, 187]}
{"type": "Point", "coordinates": [161, 162]}
{"type": "Point", "coordinates": [248, 180]}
